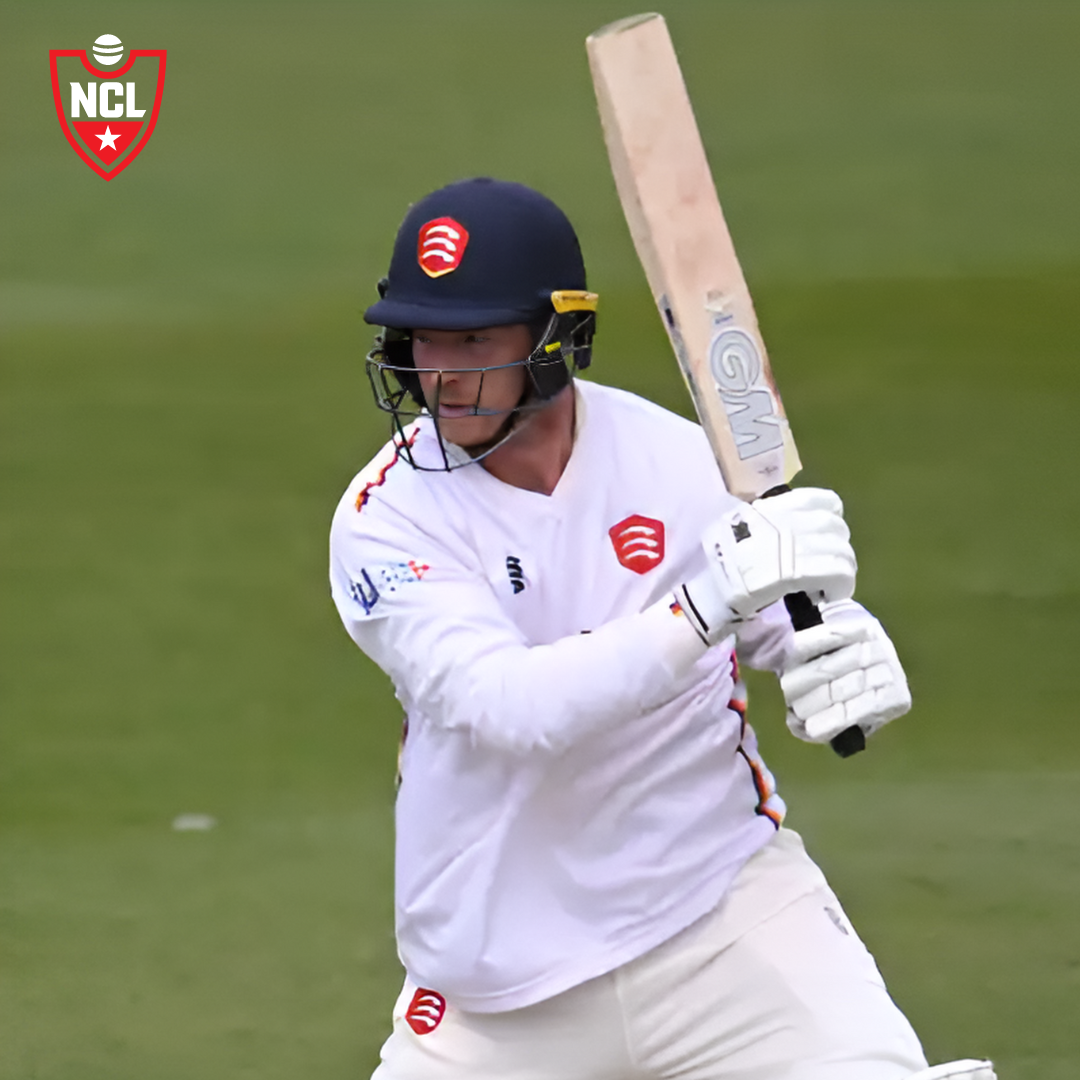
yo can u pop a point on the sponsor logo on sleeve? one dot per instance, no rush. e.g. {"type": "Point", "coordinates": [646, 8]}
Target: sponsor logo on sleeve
{"type": "Point", "coordinates": [364, 592]}
{"type": "Point", "coordinates": [440, 246]}
{"type": "Point", "coordinates": [392, 576]}
{"type": "Point", "coordinates": [107, 108]}
{"type": "Point", "coordinates": [638, 543]}
{"type": "Point", "coordinates": [385, 578]}
{"type": "Point", "coordinates": [425, 1011]}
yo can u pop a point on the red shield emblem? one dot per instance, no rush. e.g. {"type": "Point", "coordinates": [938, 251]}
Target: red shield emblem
{"type": "Point", "coordinates": [425, 1011]}
{"type": "Point", "coordinates": [440, 245]}
{"type": "Point", "coordinates": [109, 115]}
{"type": "Point", "coordinates": [638, 543]}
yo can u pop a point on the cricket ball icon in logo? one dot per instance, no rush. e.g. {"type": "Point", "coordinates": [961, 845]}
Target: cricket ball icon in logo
{"type": "Point", "coordinates": [107, 108]}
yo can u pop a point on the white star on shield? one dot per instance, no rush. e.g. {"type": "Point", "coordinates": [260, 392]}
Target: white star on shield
{"type": "Point", "coordinates": [108, 138]}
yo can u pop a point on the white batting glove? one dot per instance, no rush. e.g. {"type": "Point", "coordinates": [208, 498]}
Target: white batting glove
{"type": "Point", "coordinates": [760, 551]}
{"type": "Point", "coordinates": [842, 673]}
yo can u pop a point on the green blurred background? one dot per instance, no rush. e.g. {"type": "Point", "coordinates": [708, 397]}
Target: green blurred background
{"type": "Point", "coordinates": [182, 403]}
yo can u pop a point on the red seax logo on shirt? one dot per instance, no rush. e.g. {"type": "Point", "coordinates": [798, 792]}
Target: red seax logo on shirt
{"type": "Point", "coordinates": [638, 543]}
{"type": "Point", "coordinates": [425, 1011]}
{"type": "Point", "coordinates": [440, 245]}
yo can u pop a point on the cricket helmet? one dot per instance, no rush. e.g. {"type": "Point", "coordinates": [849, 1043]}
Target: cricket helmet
{"type": "Point", "coordinates": [480, 253]}
{"type": "Point", "coordinates": [477, 253]}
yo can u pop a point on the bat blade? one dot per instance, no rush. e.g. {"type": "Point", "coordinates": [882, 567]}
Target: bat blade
{"type": "Point", "coordinates": [669, 198]}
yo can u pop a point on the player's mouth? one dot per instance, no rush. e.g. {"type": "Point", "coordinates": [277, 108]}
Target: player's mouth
{"type": "Point", "coordinates": [455, 412]}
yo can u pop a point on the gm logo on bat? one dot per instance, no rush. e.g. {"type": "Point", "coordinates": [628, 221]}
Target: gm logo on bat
{"type": "Point", "coordinates": [108, 109]}
{"type": "Point", "coordinates": [736, 366]}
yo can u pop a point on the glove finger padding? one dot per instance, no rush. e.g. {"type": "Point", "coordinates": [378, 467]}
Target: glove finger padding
{"type": "Point", "coordinates": [844, 662]}
{"type": "Point", "coordinates": [829, 636]}
{"type": "Point", "coordinates": [843, 673]}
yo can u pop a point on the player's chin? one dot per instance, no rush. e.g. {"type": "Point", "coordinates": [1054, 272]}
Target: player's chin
{"type": "Point", "coordinates": [473, 432]}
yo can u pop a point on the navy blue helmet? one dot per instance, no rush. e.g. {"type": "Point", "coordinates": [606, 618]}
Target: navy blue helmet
{"type": "Point", "coordinates": [475, 254]}
{"type": "Point", "coordinates": [478, 253]}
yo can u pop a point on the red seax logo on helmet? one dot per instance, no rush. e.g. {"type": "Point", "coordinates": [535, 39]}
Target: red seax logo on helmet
{"type": "Point", "coordinates": [638, 543]}
{"type": "Point", "coordinates": [440, 246]}
{"type": "Point", "coordinates": [425, 1011]}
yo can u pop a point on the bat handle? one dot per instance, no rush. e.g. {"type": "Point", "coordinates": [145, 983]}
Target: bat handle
{"type": "Point", "coordinates": [805, 614]}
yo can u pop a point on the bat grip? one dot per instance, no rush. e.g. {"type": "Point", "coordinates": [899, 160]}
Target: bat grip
{"type": "Point", "coordinates": [804, 614]}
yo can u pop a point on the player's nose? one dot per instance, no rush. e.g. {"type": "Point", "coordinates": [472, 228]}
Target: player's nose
{"type": "Point", "coordinates": [444, 358]}
{"type": "Point", "coordinates": [453, 369]}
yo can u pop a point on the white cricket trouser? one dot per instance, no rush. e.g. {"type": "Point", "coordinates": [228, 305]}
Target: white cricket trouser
{"type": "Point", "coordinates": [794, 997]}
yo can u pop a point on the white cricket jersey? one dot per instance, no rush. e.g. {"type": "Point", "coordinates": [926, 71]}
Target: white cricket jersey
{"type": "Point", "coordinates": [578, 781]}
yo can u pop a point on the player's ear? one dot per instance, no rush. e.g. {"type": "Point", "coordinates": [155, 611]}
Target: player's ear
{"type": "Point", "coordinates": [391, 355]}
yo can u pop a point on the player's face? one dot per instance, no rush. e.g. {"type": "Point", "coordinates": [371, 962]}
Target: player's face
{"type": "Point", "coordinates": [474, 378]}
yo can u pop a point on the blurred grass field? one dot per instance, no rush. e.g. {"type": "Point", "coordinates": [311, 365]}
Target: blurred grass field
{"type": "Point", "coordinates": [182, 403]}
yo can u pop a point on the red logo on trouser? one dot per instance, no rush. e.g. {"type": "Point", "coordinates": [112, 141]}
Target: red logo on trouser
{"type": "Point", "coordinates": [638, 542]}
{"type": "Point", "coordinates": [425, 1011]}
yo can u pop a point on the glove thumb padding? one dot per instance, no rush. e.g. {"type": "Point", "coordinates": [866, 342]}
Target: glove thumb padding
{"type": "Point", "coordinates": [758, 552]}
{"type": "Point", "coordinates": [794, 542]}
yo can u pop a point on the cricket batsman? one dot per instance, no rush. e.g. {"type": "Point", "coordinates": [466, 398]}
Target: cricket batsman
{"type": "Point", "coordinates": [593, 877]}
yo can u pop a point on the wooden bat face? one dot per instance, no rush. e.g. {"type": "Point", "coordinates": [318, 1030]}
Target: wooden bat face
{"type": "Point", "coordinates": [682, 240]}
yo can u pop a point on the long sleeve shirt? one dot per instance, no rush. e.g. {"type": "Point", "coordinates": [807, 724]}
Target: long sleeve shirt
{"type": "Point", "coordinates": [579, 782]}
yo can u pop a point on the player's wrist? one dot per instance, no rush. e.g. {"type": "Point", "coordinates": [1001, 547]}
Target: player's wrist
{"type": "Point", "coordinates": [707, 607]}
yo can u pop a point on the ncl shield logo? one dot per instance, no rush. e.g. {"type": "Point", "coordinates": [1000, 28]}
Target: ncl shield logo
{"type": "Point", "coordinates": [108, 116]}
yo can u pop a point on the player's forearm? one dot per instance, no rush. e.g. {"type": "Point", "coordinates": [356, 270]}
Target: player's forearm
{"type": "Point", "coordinates": [542, 698]}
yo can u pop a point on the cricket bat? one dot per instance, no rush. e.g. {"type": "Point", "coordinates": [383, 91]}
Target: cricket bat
{"type": "Point", "coordinates": [669, 198]}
